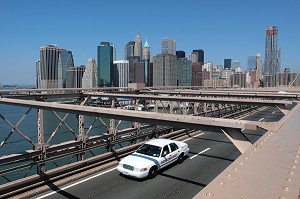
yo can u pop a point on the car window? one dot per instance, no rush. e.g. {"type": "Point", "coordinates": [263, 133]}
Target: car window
{"type": "Point", "coordinates": [150, 150]}
{"type": "Point", "coordinates": [165, 150]}
{"type": "Point", "coordinates": [173, 147]}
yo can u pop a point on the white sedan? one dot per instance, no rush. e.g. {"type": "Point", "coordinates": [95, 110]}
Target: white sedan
{"type": "Point", "coordinates": [153, 156]}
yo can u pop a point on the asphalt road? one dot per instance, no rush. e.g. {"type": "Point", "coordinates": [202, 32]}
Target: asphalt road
{"type": "Point", "coordinates": [176, 181]}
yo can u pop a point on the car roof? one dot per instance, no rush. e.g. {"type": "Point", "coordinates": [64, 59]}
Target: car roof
{"type": "Point", "coordinates": [159, 142]}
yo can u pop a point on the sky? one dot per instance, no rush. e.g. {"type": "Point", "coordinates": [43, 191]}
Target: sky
{"type": "Point", "coordinates": [222, 28]}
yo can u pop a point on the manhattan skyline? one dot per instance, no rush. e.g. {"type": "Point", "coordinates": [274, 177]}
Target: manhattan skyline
{"type": "Point", "coordinates": [223, 29]}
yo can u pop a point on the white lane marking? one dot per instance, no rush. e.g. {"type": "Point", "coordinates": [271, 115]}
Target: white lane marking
{"type": "Point", "coordinates": [261, 119]}
{"type": "Point", "coordinates": [199, 153]}
{"type": "Point", "coordinates": [192, 137]}
{"type": "Point", "coordinates": [274, 112]}
{"type": "Point", "coordinates": [242, 129]}
{"type": "Point", "coordinates": [76, 183]}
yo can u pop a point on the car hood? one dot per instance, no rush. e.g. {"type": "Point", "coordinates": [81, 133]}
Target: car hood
{"type": "Point", "coordinates": [138, 160]}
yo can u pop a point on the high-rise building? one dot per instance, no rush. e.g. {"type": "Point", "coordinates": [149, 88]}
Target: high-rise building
{"type": "Point", "coordinates": [180, 54]}
{"type": "Point", "coordinates": [146, 57]}
{"type": "Point", "coordinates": [199, 55]}
{"type": "Point", "coordinates": [132, 60]}
{"type": "Point", "coordinates": [168, 46]}
{"type": "Point", "coordinates": [258, 69]}
{"type": "Point", "coordinates": [129, 50]}
{"type": "Point", "coordinates": [52, 67]}
{"type": "Point", "coordinates": [74, 76]}
{"type": "Point", "coordinates": [138, 48]}
{"type": "Point", "coordinates": [227, 63]}
{"type": "Point", "coordinates": [184, 72]}
{"type": "Point", "coordinates": [235, 64]}
{"type": "Point", "coordinates": [272, 56]}
{"type": "Point", "coordinates": [90, 75]}
{"type": "Point", "coordinates": [121, 73]}
{"type": "Point", "coordinates": [105, 65]}
{"type": "Point", "coordinates": [164, 70]}
{"type": "Point", "coordinates": [193, 57]}
{"type": "Point", "coordinates": [251, 63]}
{"type": "Point", "coordinates": [197, 79]}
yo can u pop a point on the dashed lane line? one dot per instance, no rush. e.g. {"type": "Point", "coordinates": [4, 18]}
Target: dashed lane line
{"type": "Point", "coordinates": [199, 153]}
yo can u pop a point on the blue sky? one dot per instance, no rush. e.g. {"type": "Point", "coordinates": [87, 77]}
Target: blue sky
{"type": "Point", "coordinates": [223, 29]}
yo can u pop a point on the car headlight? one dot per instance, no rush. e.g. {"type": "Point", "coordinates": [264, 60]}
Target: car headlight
{"type": "Point", "coordinates": [140, 169]}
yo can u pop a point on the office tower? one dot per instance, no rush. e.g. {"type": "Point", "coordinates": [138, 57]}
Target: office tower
{"type": "Point", "coordinates": [105, 65]}
{"type": "Point", "coordinates": [129, 50]}
{"type": "Point", "coordinates": [226, 73]}
{"type": "Point", "coordinates": [180, 54]}
{"type": "Point", "coordinates": [216, 71]}
{"type": "Point", "coordinates": [138, 50]}
{"type": "Point", "coordinates": [139, 73]}
{"type": "Point", "coordinates": [38, 73]}
{"type": "Point", "coordinates": [146, 57]}
{"type": "Point", "coordinates": [52, 66]}
{"type": "Point", "coordinates": [227, 63]}
{"type": "Point", "coordinates": [258, 65]}
{"type": "Point", "coordinates": [235, 64]}
{"type": "Point", "coordinates": [197, 79]}
{"type": "Point", "coordinates": [132, 60]}
{"type": "Point", "coordinates": [184, 72]}
{"type": "Point", "coordinates": [121, 75]}
{"type": "Point", "coordinates": [90, 75]}
{"type": "Point", "coordinates": [114, 52]}
{"type": "Point", "coordinates": [168, 46]}
{"type": "Point", "coordinates": [272, 56]}
{"type": "Point", "coordinates": [74, 77]}
{"type": "Point", "coordinates": [199, 55]}
{"type": "Point", "coordinates": [164, 70]}
{"type": "Point", "coordinates": [193, 57]}
{"type": "Point", "coordinates": [65, 61]}
{"type": "Point", "coordinates": [238, 80]}
{"type": "Point", "coordinates": [251, 63]}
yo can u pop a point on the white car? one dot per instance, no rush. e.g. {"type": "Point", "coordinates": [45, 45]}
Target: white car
{"type": "Point", "coordinates": [151, 157]}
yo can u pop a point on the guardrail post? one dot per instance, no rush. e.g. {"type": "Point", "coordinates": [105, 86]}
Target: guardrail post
{"type": "Point", "coordinates": [41, 168]}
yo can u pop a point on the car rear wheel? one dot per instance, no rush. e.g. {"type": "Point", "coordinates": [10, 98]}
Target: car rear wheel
{"type": "Point", "coordinates": [152, 172]}
{"type": "Point", "coordinates": [180, 159]}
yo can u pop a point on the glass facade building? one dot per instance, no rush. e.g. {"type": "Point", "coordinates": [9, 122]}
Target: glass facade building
{"type": "Point", "coordinates": [105, 65]}
{"type": "Point", "coordinates": [272, 56]}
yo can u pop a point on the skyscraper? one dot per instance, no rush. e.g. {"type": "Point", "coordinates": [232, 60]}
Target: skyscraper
{"type": "Point", "coordinates": [52, 67]}
{"type": "Point", "coordinates": [138, 48]}
{"type": "Point", "coordinates": [74, 77]}
{"type": "Point", "coordinates": [90, 75]}
{"type": "Point", "coordinates": [199, 55]}
{"type": "Point", "coordinates": [227, 63]}
{"type": "Point", "coordinates": [272, 56]}
{"type": "Point", "coordinates": [168, 46]}
{"type": "Point", "coordinates": [184, 72]}
{"type": "Point", "coordinates": [121, 73]}
{"type": "Point", "coordinates": [180, 54]}
{"type": "Point", "coordinates": [164, 70]}
{"type": "Point", "coordinates": [129, 50]}
{"type": "Point", "coordinates": [251, 63]}
{"type": "Point", "coordinates": [105, 65]}
{"type": "Point", "coordinates": [146, 56]}
{"type": "Point", "coordinates": [258, 65]}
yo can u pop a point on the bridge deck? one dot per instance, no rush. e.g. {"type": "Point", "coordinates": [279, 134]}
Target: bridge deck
{"type": "Point", "coordinates": [269, 169]}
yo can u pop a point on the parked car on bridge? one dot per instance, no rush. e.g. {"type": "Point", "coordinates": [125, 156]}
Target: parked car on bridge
{"type": "Point", "coordinates": [153, 156]}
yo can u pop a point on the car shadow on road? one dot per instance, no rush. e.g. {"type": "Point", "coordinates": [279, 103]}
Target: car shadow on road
{"type": "Point", "coordinates": [60, 191]}
{"type": "Point", "coordinates": [183, 180]}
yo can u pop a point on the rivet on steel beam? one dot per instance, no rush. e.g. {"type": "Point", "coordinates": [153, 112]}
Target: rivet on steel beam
{"type": "Point", "coordinates": [293, 166]}
{"type": "Point", "coordinates": [235, 168]}
{"type": "Point", "coordinates": [288, 179]}
{"type": "Point", "coordinates": [209, 194]}
{"type": "Point", "coordinates": [221, 183]}
{"type": "Point", "coordinates": [282, 197]}
{"type": "Point", "coordinates": [229, 176]}
{"type": "Point", "coordinates": [285, 188]}
{"type": "Point", "coordinates": [241, 163]}
{"type": "Point", "coordinates": [296, 156]}
{"type": "Point", "coordinates": [291, 172]}
{"type": "Point", "coordinates": [246, 158]}
{"type": "Point", "coordinates": [251, 153]}
{"type": "Point", "coordinates": [296, 161]}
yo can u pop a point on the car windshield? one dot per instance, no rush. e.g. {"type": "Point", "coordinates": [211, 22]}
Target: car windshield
{"type": "Point", "coordinates": [150, 150]}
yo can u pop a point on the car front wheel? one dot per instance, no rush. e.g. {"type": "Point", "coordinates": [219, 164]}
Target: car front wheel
{"type": "Point", "coordinates": [152, 172]}
{"type": "Point", "coordinates": [180, 159]}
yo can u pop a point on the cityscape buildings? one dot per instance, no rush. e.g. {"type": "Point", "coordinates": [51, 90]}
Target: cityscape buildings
{"type": "Point", "coordinates": [55, 67]}
{"type": "Point", "coordinates": [51, 68]}
{"type": "Point", "coordinates": [272, 57]}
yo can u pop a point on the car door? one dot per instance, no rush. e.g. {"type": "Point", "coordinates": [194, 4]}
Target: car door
{"type": "Point", "coordinates": [165, 156]}
{"type": "Point", "coordinates": [175, 152]}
